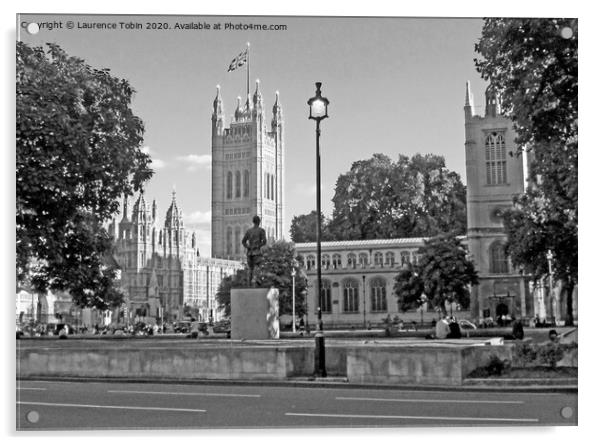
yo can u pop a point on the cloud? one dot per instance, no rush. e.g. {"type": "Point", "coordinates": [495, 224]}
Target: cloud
{"type": "Point", "coordinates": [156, 164]}
{"type": "Point", "coordinates": [196, 162]}
{"type": "Point", "coordinates": [197, 218]}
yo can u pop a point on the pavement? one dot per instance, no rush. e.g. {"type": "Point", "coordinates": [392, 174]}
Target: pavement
{"type": "Point", "coordinates": [71, 405]}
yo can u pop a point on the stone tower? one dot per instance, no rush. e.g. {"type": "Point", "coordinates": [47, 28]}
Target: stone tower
{"type": "Point", "coordinates": [495, 173]}
{"type": "Point", "coordinates": [247, 173]}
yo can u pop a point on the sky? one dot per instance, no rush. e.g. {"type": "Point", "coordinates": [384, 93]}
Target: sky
{"type": "Point", "coordinates": [395, 85]}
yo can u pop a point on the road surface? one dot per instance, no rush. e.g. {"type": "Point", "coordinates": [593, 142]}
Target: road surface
{"type": "Point", "coordinates": [59, 405]}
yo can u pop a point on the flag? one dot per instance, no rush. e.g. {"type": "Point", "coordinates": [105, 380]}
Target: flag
{"type": "Point", "coordinates": [239, 60]}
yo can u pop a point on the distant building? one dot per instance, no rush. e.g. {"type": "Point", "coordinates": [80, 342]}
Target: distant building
{"type": "Point", "coordinates": [161, 268]}
{"type": "Point", "coordinates": [247, 173]}
{"type": "Point", "coordinates": [358, 279]}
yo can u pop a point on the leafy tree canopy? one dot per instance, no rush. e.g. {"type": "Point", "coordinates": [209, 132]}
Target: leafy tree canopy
{"type": "Point", "coordinates": [444, 274]}
{"type": "Point", "coordinates": [379, 198]}
{"type": "Point", "coordinates": [279, 260]}
{"type": "Point", "coordinates": [533, 63]}
{"type": "Point", "coordinates": [303, 228]}
{"type": "Point", "coordinates": [77, 154]}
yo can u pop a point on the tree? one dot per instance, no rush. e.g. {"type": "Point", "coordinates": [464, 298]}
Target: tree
{"type": "Point", "coordinates": [379, 198]}
{"type": "Point", "coordinates": [279, 260]}
{"type": "Point", "coordinates": [77, 154]}
{"type": "Point", "coordinates": [409, 288]}
{"type": "Point", "coordinates": [303, 228]}
{"type": "Point", "coordinates": [533, 65]}
{"type": "Point", "coordinates": [444, 273]}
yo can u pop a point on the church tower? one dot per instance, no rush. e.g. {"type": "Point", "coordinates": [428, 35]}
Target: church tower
{"type": "Point", "coordinates": [495, 173]}
{"type": "Point", "coordinates": [247, 173]}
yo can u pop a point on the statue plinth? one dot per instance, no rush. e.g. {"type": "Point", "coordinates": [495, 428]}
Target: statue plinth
{"type": "Point", "coordinates": [254, 313]}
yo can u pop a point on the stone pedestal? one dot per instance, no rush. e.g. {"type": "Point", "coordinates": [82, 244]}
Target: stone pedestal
{"type": "Point", "coordinates": [254, 314]}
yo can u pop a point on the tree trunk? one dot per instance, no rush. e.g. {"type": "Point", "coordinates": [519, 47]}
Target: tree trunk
{"type": "Point", "coordinates": [570, 286]}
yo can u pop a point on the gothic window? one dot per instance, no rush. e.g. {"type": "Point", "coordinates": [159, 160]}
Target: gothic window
{"type": "Point", "coordinates": [363, 260]}
{"type": "Point", "coordinates": [311, 262]}
{"type": "Point", "coordinates": [351, 295]}
{"type": "Point", "coordinates": [378, 259]}
{"type": "Point", "coordinates": [495, 159]}
{"type": "Point", "coordinates": [499, 261]}
{"type": "Point", "coordinates": [229, 241]}
{"type": "Point", "coordinates": [351, 260]}
{"type": "Point", "coordinates": [237, 239]}
{"type": "Point", "coordinates": [325, 302]}
{"type": "Point", "coordinates": [326, 261]}
{"type": "Point", "coordinates": [389, 258]}
{"type": "Point", "coordinates": [229, 186]}
{"type": "Point", "coordinates": [336, 261]}
{"type": "Point", "coordinates": [246, 183]}
{"type": "Point", "coordinates": [272, 186]}
{"type": "Point", "coordinates": [237, 188]}
{"type": "Point", "coordinates": [378, 295]}
{"type": "Point", "coordinates": [266, 188]}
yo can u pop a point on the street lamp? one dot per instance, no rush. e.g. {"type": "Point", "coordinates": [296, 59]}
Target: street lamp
{"type": "Point", "coordinates": [293, 273]}
{"type": "Point", "coordinates": [550, 257]}
{"type": "Point", "coordinates": [364, 280]}
{"type": "Point", "coordinates": [318, 110]}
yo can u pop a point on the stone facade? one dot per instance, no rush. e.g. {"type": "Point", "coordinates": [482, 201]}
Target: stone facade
{"type": "Point", "coordinates": [161, 267]}
{"type": "Point", "coordinates": [358, 279]}
{"type": "Point", "coordinates": [247, 174]}
{"type": "Point", "coordinates": [495, 173]}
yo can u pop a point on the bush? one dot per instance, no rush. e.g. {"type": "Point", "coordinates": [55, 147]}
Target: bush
{"type": "Point", "coordinates": [496, 367]}
{"type": "Point", "coordinates": [535, 354]}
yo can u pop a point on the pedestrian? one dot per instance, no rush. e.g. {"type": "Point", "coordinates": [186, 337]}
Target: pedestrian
{"type": "Point", "coordinates": [454, 329]}
{"type": "Point", "coordinates": [442, 329]}
{"type": "Point", "coordinates": [553, 335]}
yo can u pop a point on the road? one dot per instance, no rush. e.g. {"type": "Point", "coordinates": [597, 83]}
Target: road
{"type": "Point", "coordinates": [59, 405]}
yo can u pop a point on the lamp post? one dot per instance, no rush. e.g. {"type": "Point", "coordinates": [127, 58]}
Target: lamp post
{"type": "Point", "coordinates": [550, 257]}
{"type": "Point", "coordinates": [364, 285]}
{"type": "Point", "coordinates": [293, 273]}
{"type": "Point", "coordinates": [318, 110]}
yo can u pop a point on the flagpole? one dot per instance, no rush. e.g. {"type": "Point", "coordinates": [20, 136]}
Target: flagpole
{"type": "Point", "coordinates": [248, 65]}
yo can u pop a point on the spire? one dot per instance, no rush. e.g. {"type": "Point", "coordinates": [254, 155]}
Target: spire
{"type": "Point", "coordinates": [154, 210]}
{"type": "Point", "coordinates": [125, 209]}
{"type": "Point", "coordinates": [139, 211]}
{"type": "Point", "coordinates": [276, 112]}
{"type": "Point", "coordinates": [218, 108]}
{"type": "Point", "coordinates": [239, 111]}
{"type": "Point", "coordinates": [257, 100]}
{"type": "Point", "coordinates": [173, 217]}
{"type": "Point", "coordinates": [468, 102]}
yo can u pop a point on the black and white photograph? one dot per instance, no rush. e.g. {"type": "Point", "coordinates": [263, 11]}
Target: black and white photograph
{"type": "Point", "coordinates": [260, 222]}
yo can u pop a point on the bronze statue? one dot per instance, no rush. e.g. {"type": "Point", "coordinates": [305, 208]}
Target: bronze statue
{"type": "Point", "coordinates": [253, 241]}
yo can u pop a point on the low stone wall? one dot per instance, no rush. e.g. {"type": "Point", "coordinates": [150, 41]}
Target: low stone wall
{"type": "Point", "coordinates": [422, 363]}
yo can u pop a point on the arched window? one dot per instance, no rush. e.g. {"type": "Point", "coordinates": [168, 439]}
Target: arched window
{"type": "Point", "coordinates": [499, 261]}
{"type": "Point", "coordinates": [390, 259]}
{"type": "Point", "coordinates": [351, 260]}
{"type": "Point", "coordinates": [229, 186]}
{"type": "Point", "coordinates": [495, 158]}
{"type": "Point", "coordinates": [325, 301]}
{"type": "Point", "coordinates": [229, 241]}
{"type": "Point", "coordinates": [237, 184]}
{"type": "Point", "coordinates": [378, 259]}
{"type": "Point", "coordinates": [326, 261]}
{"type": "Point", "coordinates": [351, 301]}
{"type": "Point", "coordinates": [246, 183]}
{"type": "Point", "coordinates": [266, 192]}
{"type": "Point", "coordinates": [272, 186]}
{"type": "Point", "coordinates": [405, 257]}
{"type": "Point", "coordinates": [363, 260]}
{"type": "Point", "coordinates": [336, 261]}
{"type": "Point", "coordinates": [237, 239]}
{"type": "Point", "coordinates": [378, 295]}
{"type": "Point", "coordinates": [311, 262]}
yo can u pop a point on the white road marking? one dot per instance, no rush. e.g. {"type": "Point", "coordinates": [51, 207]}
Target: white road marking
{"type": "Point", "coordinates": [31, 389]}
{"type": "Point", "coordinates": [143, 408]}
{"type": "Point", "coordinates": [372, 416]}
{"type": "Point", "coordinates": [371, 399]}
{"type": "Point", "coordinates": [182, 393]}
